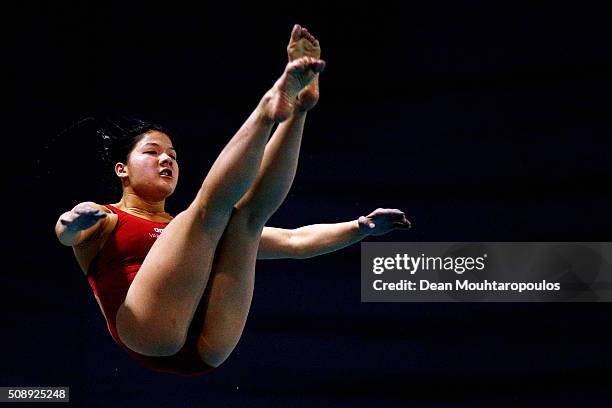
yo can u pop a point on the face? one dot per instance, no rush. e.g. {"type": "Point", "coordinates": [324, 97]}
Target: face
{"type": "Point", "coordinates": [152, 170]}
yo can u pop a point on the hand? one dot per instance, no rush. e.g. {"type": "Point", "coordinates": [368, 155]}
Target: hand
{"type": "Point", "coordinates": [383, 220]}
{"type": "Point", "coordinates": [81, 217]}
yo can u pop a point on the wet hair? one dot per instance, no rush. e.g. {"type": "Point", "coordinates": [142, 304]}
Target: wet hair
{"type": "Point", "coordinates": [118, 136]}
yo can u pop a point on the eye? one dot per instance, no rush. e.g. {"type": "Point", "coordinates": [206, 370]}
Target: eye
{"type": "Point", "coordinates": [151, 152]}
{"type": "Point", "coordinates": [173, 158]}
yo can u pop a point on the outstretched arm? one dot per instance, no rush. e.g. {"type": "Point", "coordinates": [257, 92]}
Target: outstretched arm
{"type": "Point", "coordinates": [80, 224]}
{"type": "Point", "coordinates": [318, 239]}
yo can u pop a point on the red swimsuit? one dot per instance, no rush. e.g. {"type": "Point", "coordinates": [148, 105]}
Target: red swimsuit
{"type": "Point", "coordinates": [110, 275]}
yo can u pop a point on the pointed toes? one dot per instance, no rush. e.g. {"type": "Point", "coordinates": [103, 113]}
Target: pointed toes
{"type": "Point", "coordinates": [306, 34]}
{"type": "Point", "coordinates": [296, 33]}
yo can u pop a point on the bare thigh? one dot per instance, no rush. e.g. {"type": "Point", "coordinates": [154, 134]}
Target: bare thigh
{"type": "Point", "coordinates": [160, 304]}
{"type": "Point", "coordinates": [230, 289]}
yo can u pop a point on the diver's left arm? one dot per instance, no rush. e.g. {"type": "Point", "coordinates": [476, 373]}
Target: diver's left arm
{"type": "Point", "coordinates": [318, 239]}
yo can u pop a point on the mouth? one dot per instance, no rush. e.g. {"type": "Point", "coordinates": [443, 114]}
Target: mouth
{"type": "Point", "coordinates": [166, 173]}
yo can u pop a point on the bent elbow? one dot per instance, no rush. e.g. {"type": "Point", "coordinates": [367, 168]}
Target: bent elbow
{"type": "Point", "coordinates": [296, 248]}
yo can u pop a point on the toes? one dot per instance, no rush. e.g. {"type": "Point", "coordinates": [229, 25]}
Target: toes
{"type": "Point", "coordinates": [311, 38]}
{"type": "Point", "coordinates": [296, 33]}
{"type": "Point", "coordinates": [316, 65]}
{"type": "Point", "coordinates": [303, 61]}
{"type": "Point", "coordinates": [306, 34]}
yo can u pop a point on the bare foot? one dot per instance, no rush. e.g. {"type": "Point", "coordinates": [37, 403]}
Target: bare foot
{"type": "Point", "coordinates": [304, 44]}
{"type": "Point", "coordinates": [280, 101]}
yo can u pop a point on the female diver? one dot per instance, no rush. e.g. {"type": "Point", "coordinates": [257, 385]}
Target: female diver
{"type": "Point", "coordinates": [178, 301]}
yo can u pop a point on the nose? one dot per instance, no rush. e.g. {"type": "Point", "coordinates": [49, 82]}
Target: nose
{"type": "Point", "coordinates": [167, 159]}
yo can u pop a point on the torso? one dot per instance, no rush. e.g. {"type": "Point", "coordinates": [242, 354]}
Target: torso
{"type": "Point", "coordinates": [87, 251]}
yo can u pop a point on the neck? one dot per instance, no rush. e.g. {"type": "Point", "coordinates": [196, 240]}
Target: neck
{"type": "Point", "coordinates": [134, 203]}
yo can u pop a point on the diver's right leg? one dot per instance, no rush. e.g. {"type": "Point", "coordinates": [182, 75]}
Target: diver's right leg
{"type": "Point", "coordinates": [160, 304]}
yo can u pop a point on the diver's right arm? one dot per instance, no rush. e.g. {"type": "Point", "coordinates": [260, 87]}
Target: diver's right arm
{"type": "Point", "coordinates": [79, 224]}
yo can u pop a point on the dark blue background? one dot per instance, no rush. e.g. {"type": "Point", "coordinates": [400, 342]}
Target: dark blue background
{"type": "Point", "coordinates": [482, 122]}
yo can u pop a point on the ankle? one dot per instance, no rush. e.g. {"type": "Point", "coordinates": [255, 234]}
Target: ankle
{"type": "Point", "coordinates": [264, 111]}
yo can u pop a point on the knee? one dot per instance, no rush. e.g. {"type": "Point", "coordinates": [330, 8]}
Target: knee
{"type": "Point", "coordinates": [149, 338]}
{"type": "Point", "coordinates": [211, 217]}
{"type": "Point", "coordinates": [249, 218]}
{"type": "Point", "coordinates": [214, 356]}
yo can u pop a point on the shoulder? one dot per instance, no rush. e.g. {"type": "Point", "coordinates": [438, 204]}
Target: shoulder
{"type": "Point", "coordinates": [86, 251]}
{"type": "Point", "coordinates": [104, 227]}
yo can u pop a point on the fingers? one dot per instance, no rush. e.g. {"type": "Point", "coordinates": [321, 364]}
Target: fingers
{"type": "Point", "coordinates": [72, 216]}
{"type": "Point", "coordinates": [402, 225]}
{"type": "Point", "coordinates": [85, 210]}
{"type": "Point", "coordinates": [87, 214]}
{"type": "Point", "coordinates": [388, 212]}
{"type": "Point", "coordinates": [400, 221]}
{"type": "Point", "coordinates": [395, 217]}
{"type": "Point", "coordinates": [82, 217]}
{"type": "Point", "coordinates": [90, 212]}
{"type": "Point", "coordinates": [67, 220]}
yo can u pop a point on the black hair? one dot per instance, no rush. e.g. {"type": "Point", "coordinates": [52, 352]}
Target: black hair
{"type": "Point", "coordinates": [118, 136]}
{"type": "Point", "coordinates": [82, 144]}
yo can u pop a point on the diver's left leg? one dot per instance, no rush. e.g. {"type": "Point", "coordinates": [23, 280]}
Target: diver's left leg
{"type": "Point", "coordinates": [230, 287]}
{"type": "Point", "coordinates": [228, 295]}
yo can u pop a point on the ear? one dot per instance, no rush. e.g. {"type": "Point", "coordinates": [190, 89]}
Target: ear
{"type": "Point", "coordinates": [121, 170]}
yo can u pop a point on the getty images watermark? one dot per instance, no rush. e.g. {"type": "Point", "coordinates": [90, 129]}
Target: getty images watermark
{"type": "Point", "coordinates": [486, 271]}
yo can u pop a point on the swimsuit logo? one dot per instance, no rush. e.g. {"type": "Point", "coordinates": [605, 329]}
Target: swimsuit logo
{"type": "Point", "coordinates": [157, 233]}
